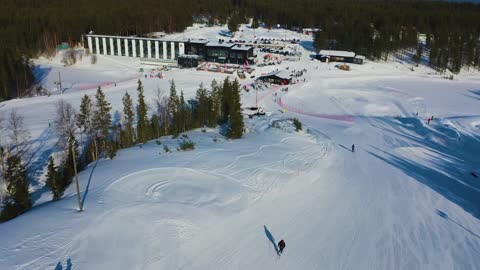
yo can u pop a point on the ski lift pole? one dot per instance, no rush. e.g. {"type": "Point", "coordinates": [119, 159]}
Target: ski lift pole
{"type": "Point", "coordinates": [72, 145]}
{"type": "Point", "coordinates": [60, 83]}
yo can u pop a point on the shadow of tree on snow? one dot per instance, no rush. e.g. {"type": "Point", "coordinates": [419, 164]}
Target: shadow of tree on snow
{"type": "Point", "coordinates": [451, 156]}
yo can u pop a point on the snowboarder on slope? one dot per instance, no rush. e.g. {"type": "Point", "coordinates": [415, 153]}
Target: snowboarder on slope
{"type": "Point", "coordinates": [281, 245]}
{"type": "Point", "coordinates": [353, 148]}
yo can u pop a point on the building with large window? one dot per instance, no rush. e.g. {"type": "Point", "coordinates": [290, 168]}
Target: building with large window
{"type": "Point", "coordinates": [161, 51]}
{"type": "Point", "coordinates": [140, 47]}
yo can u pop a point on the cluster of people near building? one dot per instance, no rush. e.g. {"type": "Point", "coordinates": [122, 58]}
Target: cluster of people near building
{"type": "Point", "coordinates": [297, 74]}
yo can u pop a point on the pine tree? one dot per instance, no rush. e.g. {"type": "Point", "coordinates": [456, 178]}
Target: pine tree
{"type": "Point", "coordinates": [143, 128]}
{"type": "Point", "coordinates": [85, 122]}
{"type": "Point", "coordinates": [255, 22]}
{"type": "Point", "coordinates": [418, 55]}
{"type": "Point", "coordinates": [128, 138]}
{"type": "Point", "coordinates": [203, 106]}
{"type": "Point", "coordinates": [320, 40]}
{"type": "Point", "coordinates": [235, 130]}
{"type": "Point", "coordinates": [112, 149]}
{"type": "Point", "coordinates": [84, 117]}
{"type": "Point", "coordinates": [155, 126]}
{"type": "Point", "coordinates": [233, 23]}
{"type": "Point", "coordinates": [67, 165]}
{"type": "Point", "coordinates": [182, 114]}
{"type": "Point", "coordinates": [226, 100]}
{"type": "Point", "coordinates": [18, 200]}
{"type": "Point", "coordinates": [102, 118]}
{"type": "Point", "coordinates": [469, 51]}
{"type": "Point", "coordinates": [54, 182]}
{"type": "Point", "coordinates": [215, 96]}
{"type": "Point", "coordinates": [173, 105]}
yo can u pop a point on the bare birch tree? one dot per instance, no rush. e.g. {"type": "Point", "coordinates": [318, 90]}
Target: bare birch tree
{"type": "Point", "coordinates": [17, 132]}
{"type": "Point", "coordinates": [161, 101]}
{"type": "Point", "coordinates": [65, 122]}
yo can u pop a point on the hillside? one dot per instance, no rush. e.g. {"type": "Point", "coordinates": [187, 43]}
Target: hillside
{"type": "Point", "coordinates": [405, 199]}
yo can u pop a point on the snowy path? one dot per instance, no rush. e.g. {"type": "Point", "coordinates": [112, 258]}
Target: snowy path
{"type": "Point", "coordinates": [362, 213]}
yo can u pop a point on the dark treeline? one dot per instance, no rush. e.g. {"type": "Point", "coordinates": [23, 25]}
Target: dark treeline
{"type": "Point", "coordinates": [29, 28]}
{"type": "Point", "coordinates": [374, 28]}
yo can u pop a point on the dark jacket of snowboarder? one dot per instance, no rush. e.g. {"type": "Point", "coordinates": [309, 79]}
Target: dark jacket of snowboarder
{"type": "Point", "coordinates": [353, 148]}
{"type": "Point", "coordinates": [281, 245]}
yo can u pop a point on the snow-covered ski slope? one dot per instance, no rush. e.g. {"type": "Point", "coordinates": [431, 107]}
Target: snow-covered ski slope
{"type": "Point", "coordinates": [404, 200]}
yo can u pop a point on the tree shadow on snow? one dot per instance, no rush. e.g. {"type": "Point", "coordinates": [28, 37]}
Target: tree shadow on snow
{"type": "Point", "coordinates": [87, 188]}
{"type": "Point", "coordinates": [40, 72]}
{"type": "Point", "coordinates": [272, 240]}
{"type": "Point", "coordinates": [60, 267]}
{"type": "Point", "coordinates": [475, 94]}
{"type": "Point", "coordinates": [446, 217]}
{"type": "Point", "coordinates": [307, 45]}
{"type": "Point", "coordinates": [448, 162]}
{"type": "Point", "coordinates": [38, 154]}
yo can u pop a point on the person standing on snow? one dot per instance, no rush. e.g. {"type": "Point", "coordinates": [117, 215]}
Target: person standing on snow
{"type": "Point", "coordinates": [281, 245]}
{"type": "Point", "coordinates": [353, 148]}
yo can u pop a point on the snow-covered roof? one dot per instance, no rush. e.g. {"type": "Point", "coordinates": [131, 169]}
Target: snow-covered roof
{"type": "Point", "coordinates": [156, 34]}
{"type": "Point", "coordinates": [217, 44]}
{"type": "Point", "coordinates": [241, 48]}
{"type": "Point", "coordinates": [193, 56]}
{"type": "Point", "coordinates": [282, 74]}
{"type": "Point", "coordinates": [337, 53]}
{"type": "Point", "coordinates": [360, 57]}
{"type": "Point", "coordinates": [197, 41]}
{"type": "Point", "coordinates": [136, 38]}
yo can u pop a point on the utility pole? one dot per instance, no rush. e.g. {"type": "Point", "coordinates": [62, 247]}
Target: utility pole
{"type": "Point", "coordinates": [60, 83]}
{"type": "Point", "coordinates": [72, 143]}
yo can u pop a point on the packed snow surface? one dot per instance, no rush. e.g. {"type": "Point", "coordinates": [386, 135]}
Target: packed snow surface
{"type": "Point", "coordinates": [405, 199]}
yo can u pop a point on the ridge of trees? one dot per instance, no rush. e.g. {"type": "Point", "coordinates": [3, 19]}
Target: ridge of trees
{"type": "Point", "coordinates": [373, 28]}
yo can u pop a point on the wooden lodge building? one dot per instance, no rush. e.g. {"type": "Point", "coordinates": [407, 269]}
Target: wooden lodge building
{"type": "Point", "coordinates": [282, 77]}
{"type": "Point", "coordinates": [340, 56]}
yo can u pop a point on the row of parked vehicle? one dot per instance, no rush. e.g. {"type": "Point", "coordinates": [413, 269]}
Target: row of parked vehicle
{"type": "Point", "coordinates": [269, 63]}
{"type": "Point", "coordinates": [231, 41]}
{"type": "Point", "coordinates": [273, 40]}
{"type": "Point", "coordinates": [277, 51]}
{"type": "Point", "coordinates": [261, 41]}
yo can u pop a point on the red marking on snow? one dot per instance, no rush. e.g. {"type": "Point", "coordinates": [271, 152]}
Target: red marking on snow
{"type": "Point", "coordinates": [269, 93]}
{"type": "Point", "coordinates": [104, 84]}
{"type": "Point", "coordinates": [346, 118]}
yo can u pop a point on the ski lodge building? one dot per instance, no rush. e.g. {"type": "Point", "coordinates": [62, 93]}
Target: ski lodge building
{"type": "Point", "coordinates": [281, 77]}
{"type": "Point", "coordinates": [340, 56]}
{"type": "Point", "coordinates": [158, 51]}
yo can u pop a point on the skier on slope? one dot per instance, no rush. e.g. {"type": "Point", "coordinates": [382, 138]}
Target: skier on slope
{"type": "Point", "coordinates": [353, 148]}
{"type": "Point", "coordinates": [281, 245]}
